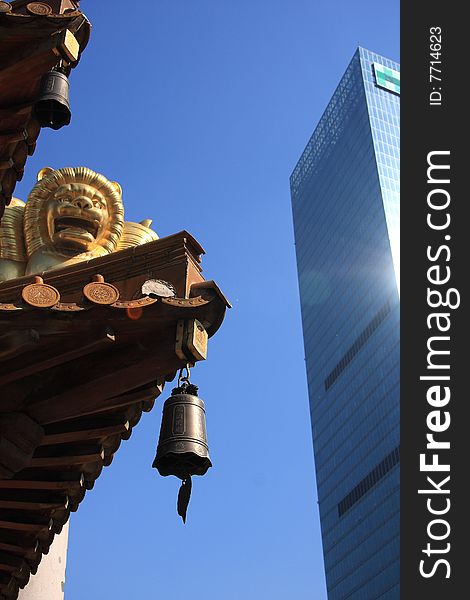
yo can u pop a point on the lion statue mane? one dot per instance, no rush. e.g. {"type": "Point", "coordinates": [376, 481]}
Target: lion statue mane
{"type": "Point", "coordinates": [72, 215]}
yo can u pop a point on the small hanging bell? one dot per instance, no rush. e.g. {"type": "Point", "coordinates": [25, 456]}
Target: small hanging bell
{"type": "Point", "coordinates": [182, 447]}
{"type": "Point", "coordinates": [52, 109]}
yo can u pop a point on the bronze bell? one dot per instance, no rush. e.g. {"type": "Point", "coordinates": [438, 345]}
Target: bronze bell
{"type": "Point", "coordinates": [182, 447]}
{"type": "Point", "coordinates": [52, 109]}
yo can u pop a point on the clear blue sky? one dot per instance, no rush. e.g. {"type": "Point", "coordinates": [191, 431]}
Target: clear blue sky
{"type": "Point", "coordinates": [201, 109]}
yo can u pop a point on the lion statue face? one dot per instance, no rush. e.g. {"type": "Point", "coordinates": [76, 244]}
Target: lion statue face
{"type": "Point", "coordinates": [72, 215]}
{"type": "Point", "coordinates": [73, 211]}
{"type": "Point", "coordinates": [77, 217]}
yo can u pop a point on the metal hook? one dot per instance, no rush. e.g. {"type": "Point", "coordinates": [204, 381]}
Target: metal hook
{"type": "Point", "coordinates": [180, 376]}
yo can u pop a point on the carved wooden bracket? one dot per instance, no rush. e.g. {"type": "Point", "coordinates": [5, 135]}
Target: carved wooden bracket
{"type": "Point", "coordinates": [19, 438]}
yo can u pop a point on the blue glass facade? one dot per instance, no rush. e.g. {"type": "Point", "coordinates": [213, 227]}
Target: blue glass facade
{"type": "Point", "coordinates": [345, 200]}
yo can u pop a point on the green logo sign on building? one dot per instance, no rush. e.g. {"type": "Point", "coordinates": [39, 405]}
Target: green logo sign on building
{"type": "Point", "coordinates": [386, 78]}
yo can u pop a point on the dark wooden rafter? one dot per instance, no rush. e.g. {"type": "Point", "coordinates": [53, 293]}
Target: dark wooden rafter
{"type": "Point", "coordinates": [81, 381]}
{"type": "Point", "coordinates": [68, 435]}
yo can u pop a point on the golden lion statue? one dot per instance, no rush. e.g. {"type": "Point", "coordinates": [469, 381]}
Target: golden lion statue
{"type": "Point", "coordinates": [72, 215]}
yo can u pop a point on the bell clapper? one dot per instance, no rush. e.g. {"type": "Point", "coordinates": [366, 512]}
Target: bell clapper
{"type": "Point", "coordinates": [184, 495]}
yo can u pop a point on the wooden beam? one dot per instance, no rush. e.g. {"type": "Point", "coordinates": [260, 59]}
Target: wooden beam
{"type": "Point", "coordinates": [33, 506]}
{"type": "Point", "coordinates": [84, 435]}
{"type": "Point", "coordinates": [62, 357]}
{"type": "Point", "coordinates": [17, 135]}
{"type": "Point", "coordinates": [13, 548]}
{"type": "Point", "coordinates": [84, 400]}
{"type": "Point", "coordinates": [17, 484]}
{"type": "Point", "coordinates": [26, 527]}
{"type": "Point", "coordinates": [10, 589]}
{"type": "Point", "coordinates": [7, 561]}
{"type": "Point", "coordinates": [7, 568]}
{"type": "Point", "coordinates": [92, 422]}
{"type": "Point", "coordinates": [111, 372]}
{"type": "Point", "coordinates": [67, 461]}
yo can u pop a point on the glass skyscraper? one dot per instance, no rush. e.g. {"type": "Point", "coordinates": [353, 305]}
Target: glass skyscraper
{"type": "Point", "coordinates": [345, 201]}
